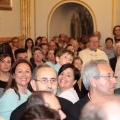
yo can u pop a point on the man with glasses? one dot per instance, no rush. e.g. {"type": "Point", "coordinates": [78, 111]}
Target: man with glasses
{"type": "Point", "coordinates": [44, 78]}
{"type": "Point", "coordinates": [92, 52]}
{"type": "Point", "coordinates": [99, 80]}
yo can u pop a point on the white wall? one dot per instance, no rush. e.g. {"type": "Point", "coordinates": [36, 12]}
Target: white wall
{"type": "Point", "coordinates": [10, 21]}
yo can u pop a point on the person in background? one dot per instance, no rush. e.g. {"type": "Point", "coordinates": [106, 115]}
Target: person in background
{"type": "Point", "coordinates": [44, 48]}
{"type": "Point", "coordinates": [52, 45]}
{"type": "Point", "coordinates": [70, 47]}
{"type": "Point", "coordinates": [51, 56]}
{"type": "Point", "coordinates": [109, 49]}
{"type": "Point", "coordinates": [62, 43]}
{"type": "Point", "coordinates": [16, 91]}
{"type": "Point", "coordinates": [21, 53]}
{"type": "Point", "coordinates": [113, 61]}
{"type": "Point", "coordinates": [38, 40]}
{"type": "Point", "coordinates": [15, 43]}
{"type": "Point", "coordinates": [68, 75]}
{"type": "Point", "coordinates": [5, 65]}
{"type": "Point", "coordinates": [44, 40]}
{"type": "Point", "coordinates": [74, 43]}
{"type": "Point", "coordinates": [92, 52]}
{"type": "Point", "coordinates": [29, 44]}
{"type": "Point", "coordinates": [63, 56]}
{"type": "Point", "coordinates": [37, 57]}
{"type": "Point", "coordinates": [116, 33]}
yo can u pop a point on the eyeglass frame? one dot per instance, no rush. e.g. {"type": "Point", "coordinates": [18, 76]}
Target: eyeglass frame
{"type": "Point", "coordinates": [48, 80]}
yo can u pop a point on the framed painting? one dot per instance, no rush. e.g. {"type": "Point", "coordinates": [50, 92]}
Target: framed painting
{"type": "Point", "coordinates": [5, 4]}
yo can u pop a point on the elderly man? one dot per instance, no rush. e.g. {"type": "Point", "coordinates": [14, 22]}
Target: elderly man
{"type": "Point", "coordinates": [92, 52]}
{"type": "Point", "coordinates": [44, 79]}
{"type": "Point", "coordinates": [106, 108]}
{"type": "Point", "coordinates": [99, 80]}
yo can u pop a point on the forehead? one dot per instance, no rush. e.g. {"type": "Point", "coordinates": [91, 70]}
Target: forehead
{"type": "Point", "coordinates": [21, 54]}
{"type": "Point", "coordinates": [104, 68]}
{"type": "Point", "coordinates": [20, 66]}
{"type": "Point", "coordinates": [93, 38]}
{"type": "Point", "coordinates": [66, 54]}
{"type": "Point", "coordinates": [43, 72]}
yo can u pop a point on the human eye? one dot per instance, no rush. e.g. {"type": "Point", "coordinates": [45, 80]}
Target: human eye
{"type": "Point", "coordinates": [53, 80]}
{"type": "Point", "coordinates": [44, 80]}
{"type": "Point", "coordinates": [19, 71]}
{"type": "Point", "coordinates": [28, 71]}
{"type": "Point", "coordinates": [2, 61]}
{"type": "Point", "coordinates": [68, 75]}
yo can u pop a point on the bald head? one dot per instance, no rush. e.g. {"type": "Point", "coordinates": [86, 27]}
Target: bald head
{"type": "Point", "coordinates": [106, 108]}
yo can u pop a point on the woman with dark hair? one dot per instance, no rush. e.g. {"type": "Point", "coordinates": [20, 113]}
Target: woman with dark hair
{"type": "Point", "coordinates": [16, 91]}
{"type": "Point", "coordinates": [116, 33]}
{"type": "Point", "coordinates": [38, 40]}
{"type": "Point", "coordinates": [29, 44]}
{"type": "Point", "coordinates": [5, 65]}
{"type": "Point", "coordinates": [68, 75]}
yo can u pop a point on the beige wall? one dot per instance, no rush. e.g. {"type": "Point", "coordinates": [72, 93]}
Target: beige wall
{"type": "Point", "coordinates": [104, 12]}
{"type": "Point", "coordinates": [10, 21]}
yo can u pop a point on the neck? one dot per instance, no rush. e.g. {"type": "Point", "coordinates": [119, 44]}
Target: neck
{"type": "Point", "coordinates": [38, 62]}
{"type": "Point", "coordinates": [22, 89]}
{"type": "Point", "coordinates": [4, 76]}
{"type": "Point", "coordinates": [109, 48]}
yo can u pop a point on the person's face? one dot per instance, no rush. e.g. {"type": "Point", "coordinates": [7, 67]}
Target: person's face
{"type": "Point", "coordinates": [56, 40]}
{"type": "Point", "coordinates": [45, 73]}
{"type": "Point", "coordinates": [64, 59]}
{"type": "Point", "coordinates": [117, 31]}
{"type": "Point", "coordinates": [22, 56]}
{"type": "Point", "coordinates": [109, 44]}
{"type": "Point", "coordinates": [62, 38]}
{"type": "Point", "coordinates": [105, 85]}
{"type": "Point", "coordinates": [78, 64]}
{"type": "Point", "coordinates": [5, 64]}
{"type": "Point", "coordinates": [37, 55]}
{"type": "Point", "coordinates": [66, 79]}
{"type": "Point", "coordinates": [81, 45]}
{"type": "Point", "coordinates": [44, 40]}
{"type": "Point", "coordinates": [52, 45]}
{"type": "Point", "coordinates": [75, 45]}
{"type": "Point", "coordinates": [93, 43]}
{"type": "Point", "coordinates": [70, 48]}
{"type": "Point", "coordinates": [98, 35]}
{"type": "Point", "coordinates": [22, 75]}
{"type": "Point", "coordinates": [56, 106]}
{"type": "Point", "coordinates": [50, 55]}
{"type": "Point", "coordinates": [15, 43]}
{"type": "Point", "coordinates": [29, 43]}
{"type": "Point", "coordinates": [44, 49]}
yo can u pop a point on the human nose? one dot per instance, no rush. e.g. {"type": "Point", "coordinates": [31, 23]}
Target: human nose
{"type": "Point", "coordinates": [49, 84]}
{"type": "Point", "coordinates": [62, 115]}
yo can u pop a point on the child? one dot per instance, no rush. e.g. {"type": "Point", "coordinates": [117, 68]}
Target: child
{"type": "Point", "coordinates": [63, 56]}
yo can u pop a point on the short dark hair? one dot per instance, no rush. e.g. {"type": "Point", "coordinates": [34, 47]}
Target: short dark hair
{"type": "Point", "coordinates": [108, 38]}
{"type": "Point", "coordinates": [19, 50]}
{"type": "Point", "coordinates": [40, 112]}
{"type": "Point", "coordinates": [76, 72]}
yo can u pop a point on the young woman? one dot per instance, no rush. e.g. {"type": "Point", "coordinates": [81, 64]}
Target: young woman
{"type": "Point", "coordinates": [67, 77]}
{"type": "Point", "coordinates": [28, 46]}
{"type": "Point", "coordinates": [5, 65]}
{"type": "Point", "coordinates": [16, 91]}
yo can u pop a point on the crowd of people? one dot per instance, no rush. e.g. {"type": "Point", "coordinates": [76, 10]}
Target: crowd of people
{"type": "Point", "coordinates": [59, 79]}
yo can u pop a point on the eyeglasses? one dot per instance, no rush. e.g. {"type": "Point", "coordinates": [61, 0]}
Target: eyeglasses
{"type": "Point", "coordinates": [45, 80]}
{"type": "Point", "coordinates": [109, 77]}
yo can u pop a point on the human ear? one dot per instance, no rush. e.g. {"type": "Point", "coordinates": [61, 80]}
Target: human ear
{"type": "Point", "coordinates": [33, 85]}
{"type": "Point", "coordinates": [57, 59]}
{"type": "Point", "coordinates": [93, 82]}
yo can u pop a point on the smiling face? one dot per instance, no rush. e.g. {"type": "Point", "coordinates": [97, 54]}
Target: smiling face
{"type": "Point", "coordinates": [22, 74]}
{"type": "Point", "coordinates": [5, 64]}
{"type": "Point", "coordinates": [45, 73]}
{"type": "Point", "coordinates": [66, 79]}
{"type": "Point", "coordinates": [78, 64]}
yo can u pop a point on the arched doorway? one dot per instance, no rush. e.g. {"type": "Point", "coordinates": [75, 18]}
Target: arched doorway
{"type": "Point", "coordinates": [72, 18]}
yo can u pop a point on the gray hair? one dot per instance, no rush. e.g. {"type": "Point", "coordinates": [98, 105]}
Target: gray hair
{"type": "Point", "coordinates": [34, 75]}
{"type": "Point", "coordinates": [91, 70]}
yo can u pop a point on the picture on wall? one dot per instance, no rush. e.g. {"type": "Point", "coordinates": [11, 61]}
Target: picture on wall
{"type": "Point", "coordinates": [5, 4]}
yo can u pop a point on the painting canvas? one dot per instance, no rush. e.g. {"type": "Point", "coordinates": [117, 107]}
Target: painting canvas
{"type": "Point", "coordinates": [5, 4]}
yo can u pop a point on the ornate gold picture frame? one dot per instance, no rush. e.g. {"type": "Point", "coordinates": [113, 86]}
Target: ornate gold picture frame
{"type": "Point", "coordinates": [5, 4]}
